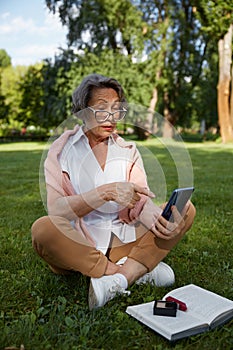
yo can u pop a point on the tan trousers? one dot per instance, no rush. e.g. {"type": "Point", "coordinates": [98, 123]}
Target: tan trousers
{"type": "Point", "coordinates": [71, 252]}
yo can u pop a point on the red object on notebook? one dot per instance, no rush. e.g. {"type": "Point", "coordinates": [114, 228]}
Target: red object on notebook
{"type": "Point", "coordinates": [181, 305]}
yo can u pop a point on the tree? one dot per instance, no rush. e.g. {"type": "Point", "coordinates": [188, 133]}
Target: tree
{"type": "Point", "coordinates": [115, 40]}
{"type": "Point", "coordinates": [11, 78]}
{"type": "Point", "coordinates": [4, 108]}
{"type": "Point", "coordinates": [224, 85]}
{"type": "Point", "coordinates": [184, 54]}
{"type": "Point", "coordinates": [5, 59]}
{"type": "Point", "coordinates": [32, 93]}
{"type": "Point", "coordinates": [44, 98]}
{"type": "Point", "coordinates": [204, 102]}
{"type": "Point", "coordinates": [97, 24]}
{"type": "Point", "coordinates": [217, 20]}
{"type": "Point", "coordinates": [165, 33]}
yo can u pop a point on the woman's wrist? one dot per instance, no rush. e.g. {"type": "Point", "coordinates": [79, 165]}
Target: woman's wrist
{"type": "Point", "coordinates": [111, 268]}
{"type": "Point", "coordinates": [108, 192]}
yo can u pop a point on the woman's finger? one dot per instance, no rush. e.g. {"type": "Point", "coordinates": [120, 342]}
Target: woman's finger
{"type": "Point", "coordinates": [144, 190]}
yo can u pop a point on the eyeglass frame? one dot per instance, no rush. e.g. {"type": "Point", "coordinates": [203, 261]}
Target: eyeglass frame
{"type": "Point", "coordinates": [108, 114]}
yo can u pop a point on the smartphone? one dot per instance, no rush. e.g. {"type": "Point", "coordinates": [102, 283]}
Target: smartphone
{"type": "Point", "coordinates": [179, 198]}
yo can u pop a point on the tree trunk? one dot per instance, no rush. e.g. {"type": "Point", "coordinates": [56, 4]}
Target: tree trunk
{"type": "Point", "coordinates": [160, 62]}
{"type": "Point", "coordinates": [168, 130]}
{"type": "Point", "coordinates": [231, 99]}
{"type": "Point", "coordinates": [224, 109]}
{"type": "Point", "coordinates": [152, 122]}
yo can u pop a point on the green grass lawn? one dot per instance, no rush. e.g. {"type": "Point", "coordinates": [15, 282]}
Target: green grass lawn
{"type": "Point", "coordinates": [45, 311]}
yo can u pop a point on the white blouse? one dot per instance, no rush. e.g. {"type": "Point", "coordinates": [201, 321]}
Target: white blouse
{"type": "Point", "coordinates": [79, 161]}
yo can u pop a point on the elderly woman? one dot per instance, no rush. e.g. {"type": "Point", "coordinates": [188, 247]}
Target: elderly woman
{"type": "Point", "coordinates": [101, 219]}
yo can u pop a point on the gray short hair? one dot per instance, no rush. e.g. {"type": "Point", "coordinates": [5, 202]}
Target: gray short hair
{"type": "Point", "coordinates": [82, 94]}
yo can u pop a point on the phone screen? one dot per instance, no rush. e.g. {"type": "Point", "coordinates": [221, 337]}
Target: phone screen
{"type": "Point", "coordinates": [179, 198]}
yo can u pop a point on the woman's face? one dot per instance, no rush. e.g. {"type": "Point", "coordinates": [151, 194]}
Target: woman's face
{"type": "Point", "coordinates": [101, 99]}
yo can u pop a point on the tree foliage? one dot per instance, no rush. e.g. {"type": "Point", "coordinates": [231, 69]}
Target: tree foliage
{"type": "Point", "coordinates": [166, 34]}
{"type": "Point", "coordinates": [215, 16]}
{"type": "Point", "coordinates": [5, 59]}
{"type": "Point", "coordinates": [164, 52]}
{"type": "Point", "coordinates": [4, 108]}
{"type": "Point", "coordinates": [44, 93]}
{"type": "Point", "coordinates": [94, 25]}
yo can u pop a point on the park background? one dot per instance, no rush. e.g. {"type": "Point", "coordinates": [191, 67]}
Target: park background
{"type": "Point", "coordinates": [172, 57]}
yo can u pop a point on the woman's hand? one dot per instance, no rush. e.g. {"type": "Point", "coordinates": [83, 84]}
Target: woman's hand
{"type": "Point", "coordinates": [167, 230]}
{"type": "Point", "coordinates": [126, 193]}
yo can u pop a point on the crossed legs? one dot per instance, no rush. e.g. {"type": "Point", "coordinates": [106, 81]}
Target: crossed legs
{"type": "Point", "coordinates": [72, 252]}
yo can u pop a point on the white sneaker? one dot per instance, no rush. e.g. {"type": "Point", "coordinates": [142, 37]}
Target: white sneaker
{"type": "Point", "coordinates": [161, 276]}
{"type": "Point", "coordinates": [104, 289]}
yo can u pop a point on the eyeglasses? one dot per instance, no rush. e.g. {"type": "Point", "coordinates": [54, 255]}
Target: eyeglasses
{"type": "Point", "coordinates": [101, 115]}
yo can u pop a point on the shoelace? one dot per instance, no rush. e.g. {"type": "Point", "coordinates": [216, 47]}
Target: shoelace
{"type": "Point", "coordinates": [118, 289]}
